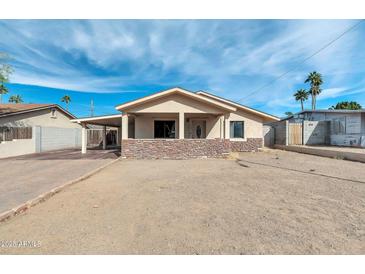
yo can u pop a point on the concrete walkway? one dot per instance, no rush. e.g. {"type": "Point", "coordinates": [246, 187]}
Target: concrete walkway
{"type": "Point", "coordinates": [345, 153]}
{"type": "Point", "coordinates": [25, 177]}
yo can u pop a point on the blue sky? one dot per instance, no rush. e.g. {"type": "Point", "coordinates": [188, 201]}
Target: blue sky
{"type": "Point", "coordinates": [113, 61]}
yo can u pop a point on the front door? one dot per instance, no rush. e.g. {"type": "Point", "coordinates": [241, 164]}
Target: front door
{"type": "Point", "coordinates": [198, 129]}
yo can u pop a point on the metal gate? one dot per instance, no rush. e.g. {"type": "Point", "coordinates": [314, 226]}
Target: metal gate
{"type": "Point", "coordinates": [295, 134]}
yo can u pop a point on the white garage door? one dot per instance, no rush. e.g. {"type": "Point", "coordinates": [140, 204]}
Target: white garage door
{"type": "Point", "coordinates": [51, 138]}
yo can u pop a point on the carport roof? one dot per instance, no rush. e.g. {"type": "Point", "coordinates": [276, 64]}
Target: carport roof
{"type": "Point", "coordinates": [113, 120]}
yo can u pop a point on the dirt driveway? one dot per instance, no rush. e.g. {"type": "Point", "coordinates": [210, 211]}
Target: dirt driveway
{"type": "Point", "coordinates": [25, 177]}
{"type": "Point", "coordinates": [266, 203]}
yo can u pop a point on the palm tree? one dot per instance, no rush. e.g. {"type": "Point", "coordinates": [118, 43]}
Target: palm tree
{"type": "Point", "coordinates": [3, 90]}
{"type": "Point", "coordinates": [17, 99]}
{"type": "Point", "coordinates": [315, 80]}
{"type": "Point", "coordinates": [301, 95]}
{"type": "Point", "coordinates": [66, 99]}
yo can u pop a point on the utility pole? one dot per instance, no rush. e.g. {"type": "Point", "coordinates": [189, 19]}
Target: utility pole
{"type": "Point", "coordinates": [92, 108]}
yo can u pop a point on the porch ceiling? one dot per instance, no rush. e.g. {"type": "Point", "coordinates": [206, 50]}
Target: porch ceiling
{"type": "Point", "coordinates": [106, 120]}
{"type": "Point", "coordinates": [165, 114]}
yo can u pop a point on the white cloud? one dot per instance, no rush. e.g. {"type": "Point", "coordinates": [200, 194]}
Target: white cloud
{"type": "Point", "coordinates": [231, 58]}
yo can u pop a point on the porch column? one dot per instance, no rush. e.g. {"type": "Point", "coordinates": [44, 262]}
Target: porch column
{"type": "Point", "coordinates": [104, 137]}
{"type": "Point", "coordinates": [83, 139]}
{"type": "Point", "coordinates": [124, 126]}
{"type": "Point", "coordinates": [226, 127]}
{"type": "Point", "coordinates": [181, 125]}
{"type": "Point", "coordinates": [119, 135]}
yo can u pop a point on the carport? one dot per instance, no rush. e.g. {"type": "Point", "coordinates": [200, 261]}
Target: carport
{"type": "Point", "coordinates": [104, 121]}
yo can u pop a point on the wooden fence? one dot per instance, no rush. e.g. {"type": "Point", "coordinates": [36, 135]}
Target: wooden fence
{"type": "Point", "coordinates": [95, 137]}
{"type": "Point", "coordinates": [295, 134]}
{"type": "Point", "coordinates": [11, 133]}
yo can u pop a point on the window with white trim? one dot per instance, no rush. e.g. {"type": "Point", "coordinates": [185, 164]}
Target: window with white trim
{"type": "Point", "coordinates": [236, 129]}
{"type": "Point", "coordinates": [53, 113]}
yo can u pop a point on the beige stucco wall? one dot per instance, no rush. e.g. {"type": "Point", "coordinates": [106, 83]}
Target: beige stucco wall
{"type": "Point", "coordinates": [253, 125]}
{"type": "Point", "coordinates": [144, 125]}
{"type": "Point", "coordinates": [174, 104]}
{"type": "Point", "coordinates": [169, 107]}
{"type": "Point", "coordinates": [38, 118]}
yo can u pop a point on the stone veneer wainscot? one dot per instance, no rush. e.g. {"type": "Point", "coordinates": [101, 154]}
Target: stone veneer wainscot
{"type": "Point", "coordinates": [185, 148]}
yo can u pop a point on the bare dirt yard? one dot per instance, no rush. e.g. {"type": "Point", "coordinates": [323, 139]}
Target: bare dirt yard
{"type": "Point", "coordinates": [272, 202]}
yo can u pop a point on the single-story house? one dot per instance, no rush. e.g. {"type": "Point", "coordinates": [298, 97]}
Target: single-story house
{"type": "Point", "coordinates": [178, 124]}
{"type": "Point", "coordinates": [31, 128]}
{"type": "Point", "coordinates": [331, 127]}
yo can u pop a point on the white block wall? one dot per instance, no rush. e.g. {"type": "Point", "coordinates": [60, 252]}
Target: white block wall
{"type": "Point", "coordinates": [17, 147]}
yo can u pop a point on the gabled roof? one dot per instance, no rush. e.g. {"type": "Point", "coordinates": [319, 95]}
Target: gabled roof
{"type": "Point", "coordinates": [239, 106]}
{"type": "Point", "coordinates": [15, 109]}
{"type": "Point", "coordinates": [176, 90]}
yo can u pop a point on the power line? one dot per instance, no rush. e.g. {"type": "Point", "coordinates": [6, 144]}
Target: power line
{"type": "Point", "coordinates": [92, 108]}
{"type": "Point", "coordinates": [303, 61]}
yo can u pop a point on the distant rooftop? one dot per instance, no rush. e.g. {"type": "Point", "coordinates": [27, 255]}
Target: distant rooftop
{"type": "Point", "coordinates": [324, 111]}
{"type": "Point", "coordinates": [13, 109]}
{"type": "Point", "coordinates": [333, 110]}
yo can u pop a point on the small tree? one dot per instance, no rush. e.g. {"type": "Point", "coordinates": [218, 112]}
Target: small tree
{"type": "Point", "coordinates": [5, 71]}
{"type": "Point", "coordinates": [288, 113]}
{"type": "Point", "coordinates": [66, 99]}
{"type": "Point", "coordinates": [301, 95]}
{"type": "Point", "coordinates": [347, 105]}
{"type": "Point", "coordinates": [17, 99]}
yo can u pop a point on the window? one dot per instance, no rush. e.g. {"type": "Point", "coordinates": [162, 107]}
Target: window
{"type": "Point", "coordinates": [53, 113]}
{"type": "Point", "coordinates": [236, 129]}
{"type": "Point", "coordinates": [165, 129]}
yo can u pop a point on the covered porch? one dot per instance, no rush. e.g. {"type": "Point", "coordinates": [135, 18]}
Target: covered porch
{"type": "Point", "coordinates": [180, 125]}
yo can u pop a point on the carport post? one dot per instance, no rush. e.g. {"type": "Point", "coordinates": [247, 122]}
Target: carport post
{"type": "Point", "coordinates": [287, 135]}
{"type": "Point", "coordinates": [83, 139]}
{"type": "Point", "coordinates": [104, 137]}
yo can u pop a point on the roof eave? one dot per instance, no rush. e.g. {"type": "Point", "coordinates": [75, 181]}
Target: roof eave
{"type": "Point", "coordinates": [161, 94]}
{"type": "Point", "coordinates": [260, 113]}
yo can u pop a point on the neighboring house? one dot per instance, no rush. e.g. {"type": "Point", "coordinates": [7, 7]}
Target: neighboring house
{"type": "Point", "coordinates": [28, 115]}
{"type": "Point", "coordinates": [30, 128]}
{"type": "Point", "coordinates": [330, 127]}
{"type": "Point", "coordinates": [177, 123]}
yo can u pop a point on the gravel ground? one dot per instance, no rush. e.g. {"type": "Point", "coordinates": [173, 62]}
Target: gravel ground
{"type": "Point", "coordinates": [272, 202]}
